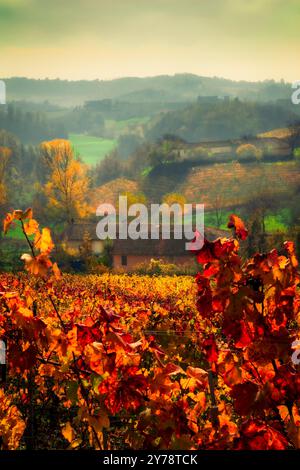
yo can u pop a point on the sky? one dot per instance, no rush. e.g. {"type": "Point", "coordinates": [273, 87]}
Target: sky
{"type": "Point", "coordinates": [104, 39]}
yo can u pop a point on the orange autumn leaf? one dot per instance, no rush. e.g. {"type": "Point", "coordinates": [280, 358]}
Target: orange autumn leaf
{"type": "Point", "coordinates": [12, 425]}
{"type": "Point", "coordinates": [68, 432]}
{"type": "Point", "coordinates": [290, 248]}
{"type": "Point", "coordinates": [238, 225]}
{"type": "Point", "coordinates": [38, 265]}
{"type": "Point", "coordinates": [28, 214]}
{"type": "Point", "coordinates": [17, 214]}
{"type": "Point", "coordinates": [7, 222]}
{"type": "Point", "coordinates": [31, 227]}
{"type": "Point", "coordinates": [56, 271]}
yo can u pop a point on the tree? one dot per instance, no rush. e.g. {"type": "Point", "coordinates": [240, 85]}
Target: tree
{"type": "Point", "coordinates": [110, 168]}
{"type": "Point", "coordinates": [67, 186]}
{"type": "Point", "coordinates": [297, 154]}
{"type": "Point", "coordinates": [174, 198]}
{"type": "Point", "coordinates": [127, 144]}
{"type": "Point", "coordinates": [86, 250]}
{"type": "Point", "coordinates": [293, 138]}
{"type": "Point", "coordinates": [135, 198]}
{"type": "Point", "coordinates": [166, 151]}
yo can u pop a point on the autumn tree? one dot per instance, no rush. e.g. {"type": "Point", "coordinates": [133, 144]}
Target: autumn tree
{"type": "Point", "coordinates": [174, 198]}
{"type": "Point", "coordinates": [68, 183]}
{"type": "Point", "coordinates": [135, 198]}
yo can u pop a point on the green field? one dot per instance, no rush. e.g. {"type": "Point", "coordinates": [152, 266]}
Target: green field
{"type": "Point", "coordinates": [91, 149]}
{"type": "Point", "coordinates": [273, 222]}
{"type": "Point", "coordinates": [125, 125]}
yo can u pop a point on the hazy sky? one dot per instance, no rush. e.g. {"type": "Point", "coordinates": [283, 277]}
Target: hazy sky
{"type": "Point", "coordinates": [239, 39]}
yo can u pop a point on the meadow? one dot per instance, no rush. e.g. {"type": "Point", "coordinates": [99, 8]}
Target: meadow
{"type": "Point", "coordinates": [123, 126]}
{"type": "Point", "coordinates": [91, 149]}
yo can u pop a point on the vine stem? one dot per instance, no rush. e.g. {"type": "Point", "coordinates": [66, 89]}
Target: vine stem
{"type": "Point", "coordinates": [27, 239]}
{"type": "Point", "coordinates": [57, 313]}
{"type": "Point", "coordinates": [214, 407]}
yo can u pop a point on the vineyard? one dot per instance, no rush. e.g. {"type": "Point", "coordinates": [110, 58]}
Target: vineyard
{"type": "Point", "coordinates": [240, 182]}
{"type": "Point", "coordinates": [139, 362]}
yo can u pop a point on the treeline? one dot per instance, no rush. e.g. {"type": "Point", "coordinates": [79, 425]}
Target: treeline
{"type": "Point", "coordinates": [29, 126]}
{"type": "Point", "coordinates": [220, 120]}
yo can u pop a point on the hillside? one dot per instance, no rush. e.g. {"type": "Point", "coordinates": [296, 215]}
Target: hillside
{"type": "Point", "coordinates": [236, 184]}
{"type": "Point", "coordinates": [226, 185]}
{"type": "Point", "coordinates": [109, 193]}
{"type": "Point", "coordinates": [220, 120]}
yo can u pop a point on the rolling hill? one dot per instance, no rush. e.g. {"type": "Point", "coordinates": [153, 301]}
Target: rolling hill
{"type": "Point", "coordinates": [180, 87]}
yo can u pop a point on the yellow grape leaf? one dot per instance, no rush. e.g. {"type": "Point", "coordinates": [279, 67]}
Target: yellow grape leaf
{"type": "Point", "coordinates": [43, 241]}
{"type": "Point", "coordinates": [189, 384]}
{"type": "Point", "coordinates": [68, 432]}
{"type": "Point", "coordinates": [75, 443]}
{"type": "Point", "coordinates": [12, 425]}
{"type": "Point", "coordinates": [31, 227]}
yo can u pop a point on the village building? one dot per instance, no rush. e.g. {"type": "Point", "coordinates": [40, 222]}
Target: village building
{"type": "Point", "coordinates": [129, 254]}
{"type": "Point", "coordinates": [75, 234]}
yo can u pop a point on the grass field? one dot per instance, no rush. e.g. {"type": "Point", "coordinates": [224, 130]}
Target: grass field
{"type": "Point", "coordinates": [273, 222]}
{"type": "Point", "coordinates": [91, 149]}
{"type": "Point", "coordinates": [126, 125]}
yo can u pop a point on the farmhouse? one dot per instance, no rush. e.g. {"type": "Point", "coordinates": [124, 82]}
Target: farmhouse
{"type": "Point", "coordinates": [75, 234]}
{"type": "Point", "coordinates": [221, 150]}
{"type": "Point", "coordinates": [128, 254]}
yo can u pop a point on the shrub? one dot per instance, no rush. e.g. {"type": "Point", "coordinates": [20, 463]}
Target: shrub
{"type": "Point", "coordinates": [249, 151]}
{"type": "Point", "coordinates": [160, 267]}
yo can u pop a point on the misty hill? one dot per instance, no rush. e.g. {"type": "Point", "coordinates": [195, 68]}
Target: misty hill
{"type": "Point", "coordinates": [221, 119]}
{"type": "Point", "coordinates": [149, 95]}
{"type": "Point", "coordinates": [179, 87]}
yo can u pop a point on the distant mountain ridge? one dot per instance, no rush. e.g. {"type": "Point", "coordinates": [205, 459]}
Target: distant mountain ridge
{"type": "Point", "coordinates": [163, 88]}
